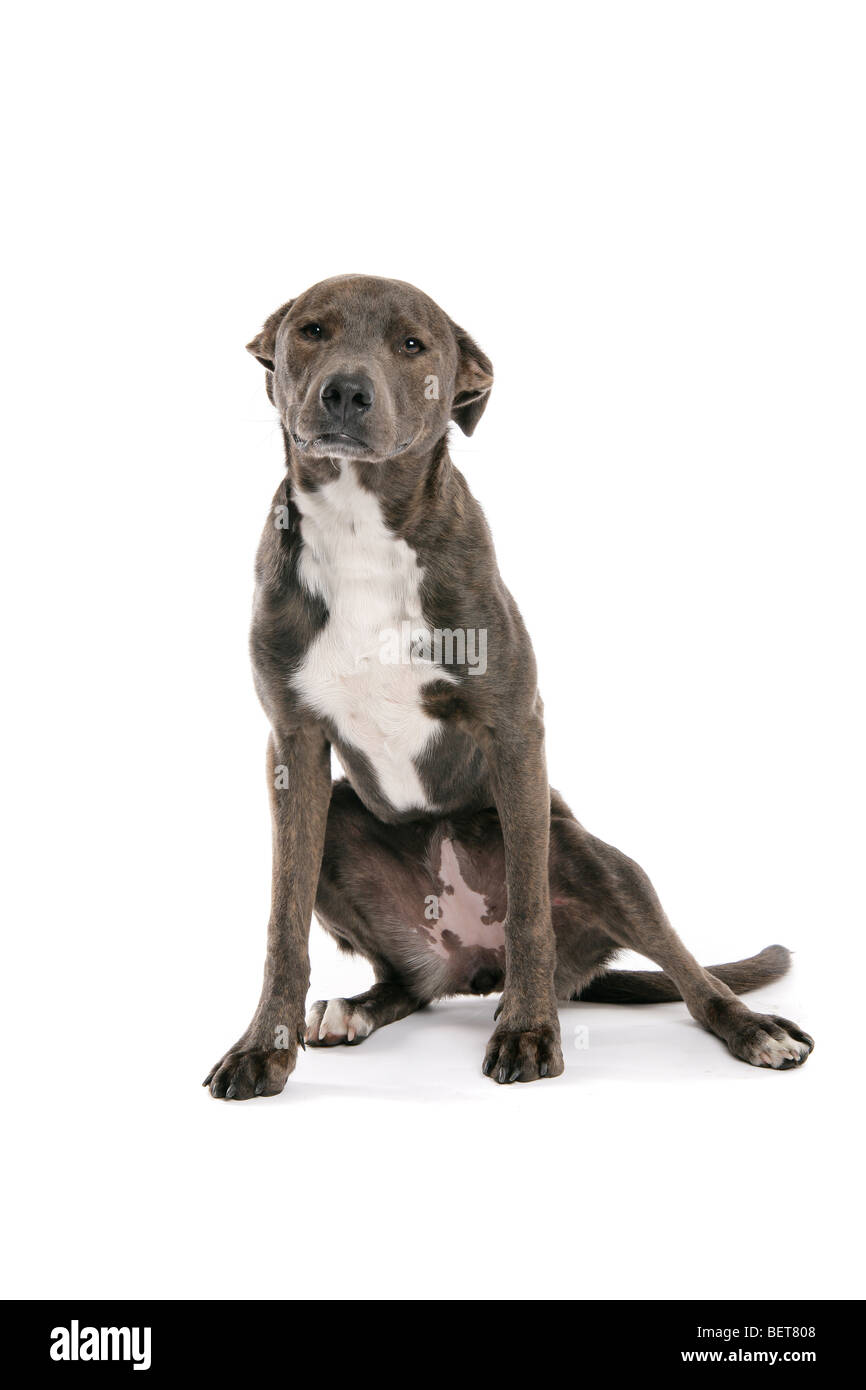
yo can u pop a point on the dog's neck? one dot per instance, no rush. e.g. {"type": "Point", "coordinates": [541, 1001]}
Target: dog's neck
{"type": "Point", "coordinates": [407, 487]}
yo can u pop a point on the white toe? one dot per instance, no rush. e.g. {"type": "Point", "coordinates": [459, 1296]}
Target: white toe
{"type": "Point", "coordinates": [334, 1021]}
{"type": "Point", "coordinates": [337, 1021]}
{"type": "Point", "coordinates": [773, 1052]}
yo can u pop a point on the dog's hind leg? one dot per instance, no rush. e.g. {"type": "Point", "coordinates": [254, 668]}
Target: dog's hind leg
{"type": "Point", "coordinates": [605, 896]}
{"type": "Point", "coordinates": [350, 1021]}
{"type": "Point", "coordinates": [362, 871]}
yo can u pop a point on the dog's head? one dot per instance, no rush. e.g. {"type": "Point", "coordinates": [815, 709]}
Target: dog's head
{"type": "Point", "coordinates": [365, 368]}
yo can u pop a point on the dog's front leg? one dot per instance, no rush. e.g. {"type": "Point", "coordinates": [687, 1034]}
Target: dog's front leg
{"type": "Point", "coordinates": [299, 777]}
{"type": "Point", "coordinates": [525, 1044]}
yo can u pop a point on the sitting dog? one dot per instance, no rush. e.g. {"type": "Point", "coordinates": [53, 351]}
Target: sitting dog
{"type": "Point", "coordinates": [382, 629]}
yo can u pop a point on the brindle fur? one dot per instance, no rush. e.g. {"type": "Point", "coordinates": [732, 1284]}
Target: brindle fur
{"type": "Point", "coordinates": [572, 901]}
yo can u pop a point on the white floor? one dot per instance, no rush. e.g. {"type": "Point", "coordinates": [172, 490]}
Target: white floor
{"type": "Point", "coordinates": [657, 1166]}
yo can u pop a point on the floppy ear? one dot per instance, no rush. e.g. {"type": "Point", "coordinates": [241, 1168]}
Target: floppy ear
{"type": "Point", "coordinates": [263, 344]}
{"type": "Point", "coordinates": [473, 382]}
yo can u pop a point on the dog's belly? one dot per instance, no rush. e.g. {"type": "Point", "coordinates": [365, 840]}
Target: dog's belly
{"type": "Point", "coordinates": [455, 938]}
{"type": "Point", "coordinates": [359, 672]}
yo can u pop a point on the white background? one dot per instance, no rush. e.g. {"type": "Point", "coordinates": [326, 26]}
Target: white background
{"type": "Point", "coordinates": [652, 219]}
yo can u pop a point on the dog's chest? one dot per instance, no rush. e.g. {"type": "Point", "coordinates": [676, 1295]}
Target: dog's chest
{"type": "Point", "coordinates": [370, 581]}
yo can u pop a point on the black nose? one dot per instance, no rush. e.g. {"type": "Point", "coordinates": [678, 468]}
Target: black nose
{"type": "Point", "coordinates": [347, 397]}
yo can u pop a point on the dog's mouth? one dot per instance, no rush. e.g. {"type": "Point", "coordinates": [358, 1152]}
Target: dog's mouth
{"type": "Point", "coordinates": [340, 444]}
{"type": "Point", "coordinates": [337, 443]}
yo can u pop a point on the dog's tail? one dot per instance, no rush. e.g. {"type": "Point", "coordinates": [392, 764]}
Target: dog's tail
{"type": "Point", "coordinates": [654, 987]}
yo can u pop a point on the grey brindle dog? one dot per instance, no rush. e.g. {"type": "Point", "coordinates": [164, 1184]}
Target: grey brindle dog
{"type": "Point", "coordinates": [382, 629]}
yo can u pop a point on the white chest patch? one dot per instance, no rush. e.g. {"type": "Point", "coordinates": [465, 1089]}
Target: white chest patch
{"type": "Point", "coordinates": [370, 580]}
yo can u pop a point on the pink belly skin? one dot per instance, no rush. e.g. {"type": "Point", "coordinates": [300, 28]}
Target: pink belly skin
{"type": "Point", "coordinates": [464, 915]}
{"type": "Point", "coordinates": [464, 934]}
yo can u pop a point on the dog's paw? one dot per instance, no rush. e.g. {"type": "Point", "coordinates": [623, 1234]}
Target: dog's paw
{"type": "Point", "coordinates": [334, 1021]}
{"type": "Point", "coordinates": [528, 1055]}
{"type": "Point", "coordinates": [764, 1040]}
{"type": "Point", "coordinates": [247, 1072]}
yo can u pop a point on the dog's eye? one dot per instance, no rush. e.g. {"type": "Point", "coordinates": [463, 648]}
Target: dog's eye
{"type": "Point", "coordinates": [412, 346]}
{"type": "Point", "coordinates": [312, 330]}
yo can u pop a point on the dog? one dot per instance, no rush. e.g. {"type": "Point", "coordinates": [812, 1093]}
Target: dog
{"type": "Point", "coordinates": [443, 856]}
